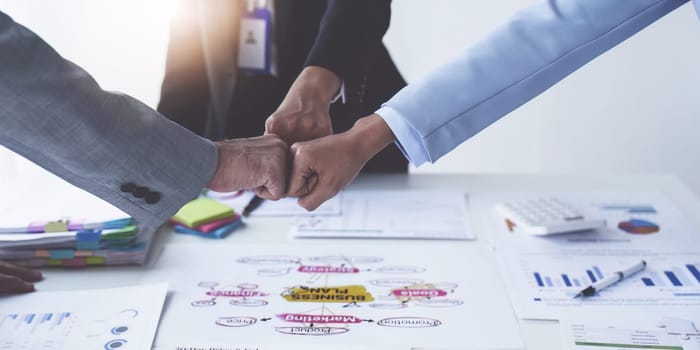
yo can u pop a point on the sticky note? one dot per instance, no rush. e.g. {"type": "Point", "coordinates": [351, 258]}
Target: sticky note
{"type": "Point", "coordinates": [56, 226]}
{"type": "Point", "coordinates": [95, 260]}
{"type": "Point", "coordinates": [211, 226]}
{"type": "Point", "coordinates": [75, 225]}
{"type": "Point", "coordinates": [53, 262]}
{"type": "Point", "coordinates": [75, 262]}
{"type": "Point", "coordinates": [42, 253]}
{"type": "Point", "coordinates": [83, 253]}
{"type": "Point", "coordinates": [220, 232]}
{"type": "Point", "coordinates": [62, 254]}
{"type": "Point", "coordinates": [201, 211]}
{"type": "Point", "coordinates": [36, 226]}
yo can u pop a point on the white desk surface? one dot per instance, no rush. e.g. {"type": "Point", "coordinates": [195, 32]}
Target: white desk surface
{"type": "Point", "coordinates": [540, 335]}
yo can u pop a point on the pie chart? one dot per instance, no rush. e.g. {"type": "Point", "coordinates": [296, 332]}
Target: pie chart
{"type": "Point", "coordinates": [638, 226]}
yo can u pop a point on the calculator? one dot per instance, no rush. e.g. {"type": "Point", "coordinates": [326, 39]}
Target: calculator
{"type": "Point", "coordinates": [547, 216]}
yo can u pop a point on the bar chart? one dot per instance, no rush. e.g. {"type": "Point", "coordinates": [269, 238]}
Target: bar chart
{"type": "Point", "coordinates": [36, 323]}
{"type": "Point", "coordinates": [45, 331]}
{"type": "Point", "coordinates": [677, 276]}
{"type": "Point", "coordinates": [541, 285]}
{"type": "Point", "coordinates": [590, 275]}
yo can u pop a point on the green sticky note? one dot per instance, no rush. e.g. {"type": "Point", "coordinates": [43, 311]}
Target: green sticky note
{"type": "Point", "coordinates": [124, 232]}
{"type": "Point", "coordinates": [95, 260]}
{"type": "Point", "coordinates": [56, 226]}
{"type": "Point", "coordinates": [53, 262]}
{"type": "Point", "coordinates": [201, 211]}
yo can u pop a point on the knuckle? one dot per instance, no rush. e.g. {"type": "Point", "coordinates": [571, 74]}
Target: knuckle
{"type": "Point", "coordinates": [279, 143]}
{"type": "Point", "coordinates": [274, 123]}
{"type": "Point", "coordinates": [297, 149]}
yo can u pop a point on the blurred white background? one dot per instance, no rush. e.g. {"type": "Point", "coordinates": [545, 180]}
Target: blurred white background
{"type": "Point", "coordinates": [635, 109]}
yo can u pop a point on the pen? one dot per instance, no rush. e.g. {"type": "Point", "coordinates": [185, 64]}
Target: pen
{"type": "Point", "coordinates": [612, 279]}
{"type": "Point", "coordinates": [252, 205]}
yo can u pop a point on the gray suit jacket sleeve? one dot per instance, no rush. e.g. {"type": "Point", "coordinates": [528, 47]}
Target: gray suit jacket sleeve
{"type": "Point", "coordinates": [53, 113]}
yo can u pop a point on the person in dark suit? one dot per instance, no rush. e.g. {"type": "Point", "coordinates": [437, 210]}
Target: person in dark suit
{"type": "Point", "coordinates": [319, 46]}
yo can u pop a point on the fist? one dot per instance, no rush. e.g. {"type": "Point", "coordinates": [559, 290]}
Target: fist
{"type": "Point", "coordinates": [299, 123]}
{"type": "Point", "coordinates": [257, 163]}
{"type": "Point", "coordinates": [322, 167]}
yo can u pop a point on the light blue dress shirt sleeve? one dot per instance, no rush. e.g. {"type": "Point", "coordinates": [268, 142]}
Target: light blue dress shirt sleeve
{"type": "Point", "coordinates": [536, 48]}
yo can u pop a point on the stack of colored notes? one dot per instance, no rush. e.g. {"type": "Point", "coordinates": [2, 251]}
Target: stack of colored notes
{"type": "Point", "coordinates": [207, 218]}
{"type": "Point", "coordinates": [52, 223]}
{"type": "Point", "coordinates": [66, 243]}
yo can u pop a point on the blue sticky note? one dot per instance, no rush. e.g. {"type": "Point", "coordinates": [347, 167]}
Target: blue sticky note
{"type": "Point", "coordinates": [221, 232]}
{"type": "Point", "coordinates": [88, 236]}
{"type": "Point", "coordinates": [61, 254]}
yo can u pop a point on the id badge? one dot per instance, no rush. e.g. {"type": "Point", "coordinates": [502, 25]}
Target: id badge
{"type": "Point", "coordinates": [254, 42]}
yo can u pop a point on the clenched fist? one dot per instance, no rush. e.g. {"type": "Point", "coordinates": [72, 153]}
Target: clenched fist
{"type": "Point", "coordinates": [304, 113]}
{"type": "Point", "coordinates": [322, 167]}
{"type": "Point", "coordinates": [257, 163]}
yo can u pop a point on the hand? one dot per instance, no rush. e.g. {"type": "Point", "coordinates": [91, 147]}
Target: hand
{"type": "Point", "coordinates": [15, 279]}
{"type": "Point", "coordinates": [322, 167]}
{"type": "Point", "coordinates": [257, 163]}
{"type": "Point", "coordinates": [304, 113]}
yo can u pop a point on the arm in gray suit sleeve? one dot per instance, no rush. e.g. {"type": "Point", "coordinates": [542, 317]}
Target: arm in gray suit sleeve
{"type": "Point", "coordinates": [53, 113]}
{"type": "Point", "coordinates": [536, 48]}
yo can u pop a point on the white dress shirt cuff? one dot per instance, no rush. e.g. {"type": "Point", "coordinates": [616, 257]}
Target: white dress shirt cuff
{"type": "Point", "coordinates": [407, 138]}
{"type": "Point", "coordinates": [340, 95]}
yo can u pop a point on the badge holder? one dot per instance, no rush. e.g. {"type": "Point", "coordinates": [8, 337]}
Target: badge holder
{"type": "Point", "coordinates": [254, 39]}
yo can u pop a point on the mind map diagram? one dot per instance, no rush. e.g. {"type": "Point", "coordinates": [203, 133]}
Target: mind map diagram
{"type": "Point", "coordinates": [397, 295]}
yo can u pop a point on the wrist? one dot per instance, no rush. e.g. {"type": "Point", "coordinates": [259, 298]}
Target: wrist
{"type": "Point", "coordinates": [316, 84]}
{"type": "Point", "coordinates": [215, 181]}
{"type": "Point", "coordinates": [370, 135]}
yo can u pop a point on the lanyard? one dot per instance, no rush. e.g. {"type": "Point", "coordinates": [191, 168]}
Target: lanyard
{"type": "Point", "coordinates": [254, 47]}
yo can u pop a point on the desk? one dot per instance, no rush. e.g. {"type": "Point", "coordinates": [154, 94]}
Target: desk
{"type": "Point", "coordinates": [540, 335]}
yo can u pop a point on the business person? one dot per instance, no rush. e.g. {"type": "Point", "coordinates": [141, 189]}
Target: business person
{"type": "Point", "coordinates": [53, 113]}
{"type": "Point", "coordinates": [316, 47]}
{"type": "Point", "coordinates": [536, 48]}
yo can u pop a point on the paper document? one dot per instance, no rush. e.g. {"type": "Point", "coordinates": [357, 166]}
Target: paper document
{"type": "Point", "coordinates": [283, 207]}
{"type": "Point", "coordinates": [118, 318]}
{"type": "Point", "coordinates": [393, 214]}
{"type": "Point", "coordinates": [52, 199]}
{"type": "Point", "coordinates": [543, 273]}
{"type": "Point", "coordinates": [670, 330]}
{"type": "Point", "coordinates": [542, 286]}
{"type": "Point", "coordinates": [635, 220]}
{"type": "Point", "coordinates": [319, 296]}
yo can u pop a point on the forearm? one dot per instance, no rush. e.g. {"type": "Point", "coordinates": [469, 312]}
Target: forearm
{"type": "Point", "coordinates": [536, 48]}
{"type": "Point", "coordinates": [370, 135]}
{"type": "Point", "coordinates": [314, 85]}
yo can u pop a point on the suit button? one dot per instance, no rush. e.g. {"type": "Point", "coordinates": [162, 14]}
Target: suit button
{"type": "Point", "coordinates": [127, 187]}
{"type": "Point", "coordinates": [140, 191]}
{"type": "Point", "coordinates": [152, 197]}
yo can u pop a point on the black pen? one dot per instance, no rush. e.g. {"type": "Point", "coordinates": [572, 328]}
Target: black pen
{"type": "Point", "coordinates": [252, 205]}
{"type": "Point", "coordinates": [612, 279]}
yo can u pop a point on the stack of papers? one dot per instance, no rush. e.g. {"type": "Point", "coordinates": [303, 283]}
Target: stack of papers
{"type": "Point", "coordinates": [207, 218]}
{"type": "Point", "coordinates": [57, 224]}
{"type": "Point", "coordinates": [544, 273]}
